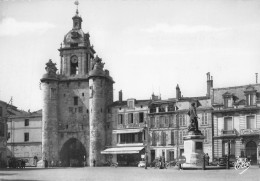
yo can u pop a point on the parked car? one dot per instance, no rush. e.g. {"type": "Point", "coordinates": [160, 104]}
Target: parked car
{"type": "Point", "coordinates": [141, 164]}
{"type": "Point", "coordinates": [222, 161]}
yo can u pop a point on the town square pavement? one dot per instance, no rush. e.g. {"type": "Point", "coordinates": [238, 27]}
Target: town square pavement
{"type": "Point", "coordinates": [127, 174]}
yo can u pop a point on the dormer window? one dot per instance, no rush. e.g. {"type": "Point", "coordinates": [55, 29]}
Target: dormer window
{"type": "Point", "coordinates": [131, 103]}
{"type": "Point", "coordinates": [250, 94]}
{"type": "Point", "coordinates": [250, 99]}
{"type": "Point", "coordinates": [228, 100]}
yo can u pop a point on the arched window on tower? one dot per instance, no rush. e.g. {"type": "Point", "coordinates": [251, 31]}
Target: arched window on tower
{"type": "Point", "coordinates": [74, 65]}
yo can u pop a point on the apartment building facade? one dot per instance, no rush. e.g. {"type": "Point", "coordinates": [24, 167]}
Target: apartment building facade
{"type": "Point", "coordinates": [168, 122]}
{"type": "Point", "coordinates": [128, 134]}
{"type": "Point", "coordinates": [236, 117]}
{"type": "Point", "coordinates": [25, 136]}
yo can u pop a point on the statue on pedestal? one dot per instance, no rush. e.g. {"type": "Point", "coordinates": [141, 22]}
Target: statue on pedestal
{"type": "Point", "coordinates": [193, 126]}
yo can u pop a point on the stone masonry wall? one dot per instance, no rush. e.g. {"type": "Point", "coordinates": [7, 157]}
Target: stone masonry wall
{"type": "Point", "coordinates": [49, 121]}
{"type": "Point", "coordinates": [97, 120]}
{"type": "Point", "coordinates": [74, 119]}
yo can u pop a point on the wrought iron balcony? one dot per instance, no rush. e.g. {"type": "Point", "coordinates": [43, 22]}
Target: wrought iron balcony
{"type": "Point", "coordinates": [229, 132]}
{"type": "Point", "coordinates": [250, 132]}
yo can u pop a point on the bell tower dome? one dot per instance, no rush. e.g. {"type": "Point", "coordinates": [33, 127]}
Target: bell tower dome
{"type": "Point", "coordinates": [76, 52]}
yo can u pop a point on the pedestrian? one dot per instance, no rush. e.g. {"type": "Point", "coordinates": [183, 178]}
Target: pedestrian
{"type": "Point", "coordinates": [163, 162]}
{"type": "Point", "coordinates": [45, 163]}
{"type": "Point", "coordinates": [146, 159]}
{"type": "Point", "coordinates": [207, 158]}
{"type": "Point", "coordinates": [52, 163]}
{"type": "Point", "coordinates": [94, 162]}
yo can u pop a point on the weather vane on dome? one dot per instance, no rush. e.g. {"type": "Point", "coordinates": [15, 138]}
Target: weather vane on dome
{"type": "Point", "coordinates": [77, 4]}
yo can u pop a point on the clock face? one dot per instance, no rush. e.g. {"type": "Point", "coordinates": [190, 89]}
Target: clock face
{"type": "Point", "coordinates": [74, 59]}
{"type": "Point", "coordinates": [74, 35]}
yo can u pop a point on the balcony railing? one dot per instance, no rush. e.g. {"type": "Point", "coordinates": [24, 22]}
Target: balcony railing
{"type": "Point", "coordinates": [228, 132]}
{"type": "Point", "coordinates": [249, 131]}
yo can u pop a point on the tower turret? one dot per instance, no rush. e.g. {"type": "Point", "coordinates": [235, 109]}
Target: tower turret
{"type": "Point", "coordinates": [49, 113]}
{"type": "Point", "coordinates": [100, 96]}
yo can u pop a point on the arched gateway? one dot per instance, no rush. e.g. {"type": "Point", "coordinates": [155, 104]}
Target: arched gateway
{"type": "Point", "coordinates": [73, 153]}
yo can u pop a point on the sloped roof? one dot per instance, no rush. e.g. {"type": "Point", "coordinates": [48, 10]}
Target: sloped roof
{"type": "Point", "coordinates": [14, 113]}
{"type": "Point", "coordinates": [237, 91]}
{"type": "Point", "coordinates": [124, 103]}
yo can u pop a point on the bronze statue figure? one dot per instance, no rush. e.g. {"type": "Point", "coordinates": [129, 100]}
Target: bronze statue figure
{"type": "Point", "coordinates": [193, 126]}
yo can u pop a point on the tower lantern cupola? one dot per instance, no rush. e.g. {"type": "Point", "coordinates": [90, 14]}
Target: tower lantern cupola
{"type": "Point", "coordinates": [77, 20]}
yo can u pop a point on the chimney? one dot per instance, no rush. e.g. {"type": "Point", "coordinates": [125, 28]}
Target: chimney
{"type": "Point", "coordinates": [209, 83]}
{"type": "Point", "coordinates": [154, 97]}
{"type": "Point", "coordinates": [120, 96]}
{"type": "Point", "coordinates": [178, 92]}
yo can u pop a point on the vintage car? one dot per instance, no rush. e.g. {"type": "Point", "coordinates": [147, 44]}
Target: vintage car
{"type": "Point", "coordinates": [222, 161]}
{"type": "Point", "coordinates": [141, 164]}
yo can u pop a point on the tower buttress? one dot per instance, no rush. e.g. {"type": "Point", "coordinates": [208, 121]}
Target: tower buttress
{"type": "Point", "coordinates": [49, 113]}
{"type": "Point", "coordinates": [100, 93]}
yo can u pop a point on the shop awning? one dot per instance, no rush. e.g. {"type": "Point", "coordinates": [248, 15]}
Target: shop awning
{"type": "Point", "coordinates": [122, 150]}
{"type": "Point", "coordinates": [118, 131]}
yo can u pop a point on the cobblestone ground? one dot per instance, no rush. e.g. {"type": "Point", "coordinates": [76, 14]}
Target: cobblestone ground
{"type": "Point", "coordinates": [127, 174]}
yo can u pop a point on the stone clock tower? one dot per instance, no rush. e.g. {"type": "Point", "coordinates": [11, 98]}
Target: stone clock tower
{"type": "Point", "coordinates": [75, 102]}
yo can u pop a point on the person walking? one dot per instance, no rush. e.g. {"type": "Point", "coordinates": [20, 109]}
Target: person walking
{"type": "Point", "coordinates": [207, 158]}
{"type": "Point", "coordinates": [146, 159]}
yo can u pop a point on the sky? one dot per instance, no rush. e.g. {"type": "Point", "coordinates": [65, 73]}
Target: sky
{"type": "Point", "coordinates": [149, 46]}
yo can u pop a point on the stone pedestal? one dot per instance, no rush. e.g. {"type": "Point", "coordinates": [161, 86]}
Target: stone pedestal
{"type": "Point", "coordinates": [193, 150]}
